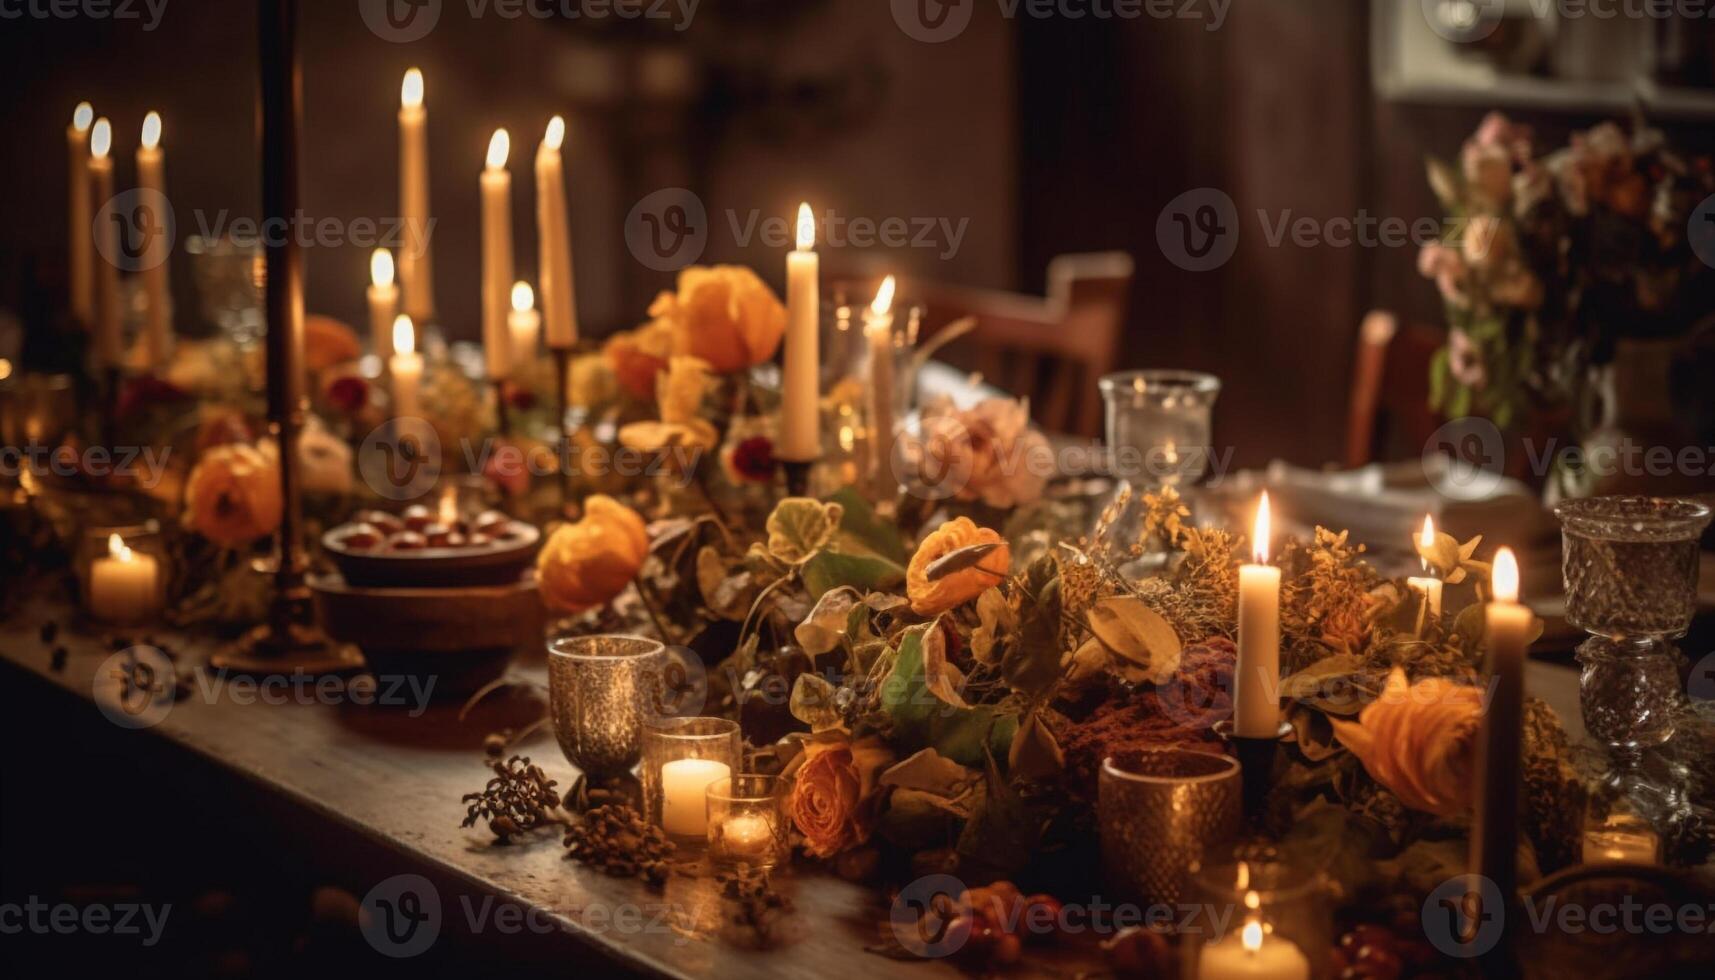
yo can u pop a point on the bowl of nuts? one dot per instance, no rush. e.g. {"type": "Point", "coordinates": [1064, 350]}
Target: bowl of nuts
{"type": "Point", "coordinates": [418, 548]}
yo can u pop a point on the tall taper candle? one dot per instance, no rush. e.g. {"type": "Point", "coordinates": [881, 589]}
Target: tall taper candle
{"type": "Point", "coordinates": [497, 267]}
{"type": "Point", "coordinates": [800, 415]}
{"type": "Point", "coordinates": [1256, 695]}
{"type": "Point", "coordinates": [383, 298]}
{"type": "Point", "coordinates": [109, 341]}
{"type": "Point", "coordinates": [878, 330]}
{"type": "Point", "coordinates": [524, 324]}
{"type": "Point", "coordinates": [158, 323]}
{"type": "Point", "coordinates": [406, 369]}
{"type": "Point", "coordinates": [82, 255]}
{"type": "Point", "coordinates": [559, 291]}
{"type": "Point", "coordinates": [1494, 831]}
{"type": "Point", "coordinates": [415, 270]}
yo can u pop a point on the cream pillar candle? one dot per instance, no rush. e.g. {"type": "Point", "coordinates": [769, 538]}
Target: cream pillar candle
{"type": "Point", "coordinates": [406, 368]}
{"type": "Point", "coordinates": [1256, 694]}
{"type": "Point", "coordinates": [1507, 635]}
{"type": "Point", "coordinates": [800, 413]}
{"type": "Point", "coordinates": [1252, 954]}
{"type": "Point", "coordinates": [496, 256]}
{"type": "Point", "coordinates": [684, 794]}
{"type": "Point", "coordinates": [878, 331]}
{"type": "Point", "coordinates": [158, 322]}
{"type": "Point", "coordinates": [383, 303]}
{"type": "Point", "coordinates": [415, 269]}
{"type": "Point", "coordinates": [524, 324]}
{"type": "Point", "coordinates": [81, 270]}
{"type": "Point", "coordinates": [109, 340]}
{"type": "Point", "coordinates": [554, 248]}
{"type": "Point", "coordinates": [124, 587]}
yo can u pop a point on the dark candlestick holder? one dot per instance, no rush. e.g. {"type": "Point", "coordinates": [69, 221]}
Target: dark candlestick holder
{"type": "Point", "coordinates": [797, 476]}
{"type": "Point", "coordinates": [563, 394]}
{"type": "Point", "coordinates": [1256, 764]}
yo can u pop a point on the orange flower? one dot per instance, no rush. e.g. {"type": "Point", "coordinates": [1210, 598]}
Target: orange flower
{"type": "Point", "coordinates": [638, 356]}
{"type": "Point", "coordinates": [233, 494]}
{"type": "Point", "coordinates": [587, 563]}
{"type": "Point", "coordinates": [832, 783]}
{"type": "Point", "coordinates": [1419, 740]}
{"type": "Point", "coordinates": [929, 598]}
{"type": "Point", "coordinates": [723, 314]}
{"type": "Point", "coordinates": [328, 342]}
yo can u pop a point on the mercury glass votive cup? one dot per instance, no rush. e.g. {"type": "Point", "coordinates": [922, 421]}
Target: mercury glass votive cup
{"type": "Point", "coordinates": [747, 820]}
{"type": "Point", "coordinates": [601, 690]}
{"type": "Point", "coordinates": [1158, 811]}
{"type": "Point", "coordinates": [682, 758]}
{"type": "Point", "coordinates": [1629, 566]}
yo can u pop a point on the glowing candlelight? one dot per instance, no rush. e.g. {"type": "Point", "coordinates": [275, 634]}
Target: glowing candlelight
{"type": "Point", "coordinates": [878, 328]}
{"type": "Point", "coordinates": [524, 322]}
{"type": "Point", "coordinates": [1494, 831]}
{"type": "Point", "coordinates": [82, 246]}
{"type": "Point", "coordinates": [383, 303]}
{"type": "Point", "coordinates": [497, 270]}
{"type": "Point", "coordinates": [109, 344]}
{"type": "Point", "coordinates": [800, 417]}
{"type": "Point", "coordinates": [406, 367]}
{"type": "Point", "coordinates": [124, 586]}
{"type": "Point", "coordinates": [1256, 699]}
{"type": "Point", "coordinates": [414, 265]}
{"type": "Point", "coordinates": [553, 232]}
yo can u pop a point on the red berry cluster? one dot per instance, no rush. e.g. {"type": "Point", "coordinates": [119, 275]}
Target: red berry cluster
{"type": "Point", "coordinates": [1376, 952]}
{"type": "Point", "coordinates": [993, 922]}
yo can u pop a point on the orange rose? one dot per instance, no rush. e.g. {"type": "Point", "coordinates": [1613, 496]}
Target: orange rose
{"type": "Point", "coordinates": [233, 494]}
{"type": "Point", "coordinates": [1419, 740]}
{"type": "Point", "coordinates": [929, 598]}
{"type": "Point", "coordinates": [831, 784]}
{"type": "Point", "coordinates": [328, 342]}
{"type": "Point", "coordinates": [638, 356]}
{"type": "Point", "coordinates": [725, 315]}
{"type": "Point", "coordinates": [587, 563]}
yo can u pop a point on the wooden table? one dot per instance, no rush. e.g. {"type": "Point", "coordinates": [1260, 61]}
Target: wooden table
{"type": "Point", "coordinates": [392, 778]}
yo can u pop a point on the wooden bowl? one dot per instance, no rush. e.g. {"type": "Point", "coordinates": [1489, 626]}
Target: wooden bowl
{"type": "Point", "coordinates": [460, 637]}
{"type": "Point", "coordinates": [492, 564]}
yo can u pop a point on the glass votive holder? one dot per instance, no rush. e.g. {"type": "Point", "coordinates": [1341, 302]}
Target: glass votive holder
{"type": "Point", "coordinates": [747, 821]}
{"type": "Point", "coordinates": [122, 571]}
{"type": "Point", "coordinates": [1158, 811]}
{"type": "Point", "coordinates": [600, 691]}
{"type": "Point", "coordinates": [1257, 915]}
{"type": "Point", "coordinates": [681, 758]}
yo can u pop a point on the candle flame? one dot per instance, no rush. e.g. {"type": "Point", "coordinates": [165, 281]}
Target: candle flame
{"type": "Point", "coordinates": [101, 138]}
{"type": "Point", "coordinates": [1504, 576]}
{"type": "Point", "coordinates": [1259, 533]}
{"type": "Point", "coordinates": [498, 147]}
{"type": "Point", "coordinates": [404, 335]}
{"type": "Point", "coordinates": [1253, 901]}
{"type": "Point", "coordinates": [411, 90]}
{"type": "Point", "coordinates": [5, 369]}
{"type": "Point", "coordinates": [381, 267]}
{"type": "Point", "coordinates": [556, 134]}
{"type": "Point", "coordinates": [1426, 539]}
{"type": "Point", "coordinates": [883, 304]}
{"type": "Point", "coordinates": [806, 228]}
{"type": "Point", "coordinates": [116, 547]}
{"type": "Point", "coordinates": [523, 297]}
{"type": "Point", "coordinates": [1251, 936]}
{"type": "Point", "coordinates": [151, 130]}
{"type": "Point", "coordinates": [83, 117]}
{"type": "Point", "coordinates": [449, 506]}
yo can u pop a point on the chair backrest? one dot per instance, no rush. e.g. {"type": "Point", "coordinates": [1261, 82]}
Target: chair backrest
{"type": "Point", "coordinates": [1050, 349]}
{"type": "Point", "coordinates": [1389, 411]}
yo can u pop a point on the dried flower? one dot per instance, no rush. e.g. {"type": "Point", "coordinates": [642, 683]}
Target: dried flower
{"type": "Point", "coordinates": [616, 840]}
{"type": "Point", "coordinates": [233, 494]}
{"type": "Point", "coordinates": [831, 785]}
{"type": "Point", "coordinates": [988, 452]}
{"type": "Point", "coordinates": [587, 563]}
{"type": "Point", "coordinates": [1419, 740]}
{"type": "Point", "coordinates": [725, 315]}
{"type": "Point", "coordinates": [932, 596]}
{"type": "Point", "coordinates": [519, 798]}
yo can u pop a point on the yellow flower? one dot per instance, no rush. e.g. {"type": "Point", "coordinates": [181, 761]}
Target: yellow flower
{"type": "Point", "coordinates": [589, 562]}
{"type": "Point", "coordinates": [638, 356]}
{"type": "Point", "coordinates": [1419, 740]}
{"type": "Point", "coordinates": [929, 598]}
{"type": "Point", "coordinates": [233, 494]}
{"type": "Point", "coordinates": [833, 784]}
{"type": "Point", "coordinates": [681, 400]}
{"type": "Point", "coordinates": [328, 342]}
{"type": "Point", "coordinates": [724, 314]}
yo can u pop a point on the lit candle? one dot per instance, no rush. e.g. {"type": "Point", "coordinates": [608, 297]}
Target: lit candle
{"type": "Point", "coordinates": [559, 294]}
{"type": "Point", "coordinates": [383, 303]}
{"type": "Point", "coordinates": [82, 248]}
{"type": "Point", "coordinates": [109, 342]}
{"type": "Point", "coordinates": [800, 415]}
{"type": "Point", "coordinates": [1494, 832]}
{"type": "Point", "coordinates": [1253, 954]}
{"type": "Point", "coordinates": [158, 325]}
{"type": "Point", "coordinates": [414, 266]}
{"type": "Point", "coordinates": [1256, 697]}
{"type": "Point", "coordinates": [496, 255]}
{"type": "Point", "coordinates": [747, 835]}
{"type": "Point", "coordinates": [1603, 845]}
{"type": "Point", "coordinates": [878, 328]}
{"type": "Point", "coordinates": [124, 587]}
{"type": "Point", "coordinates": [684, 794]}
{"type": "Point", "coordinates": [449, 508]}
{"type": "Point", "coordinates": [524, 323]}
{"type": "Point", "coordinates": [406, 367]}
{"type": "Point", "coordinates": [1429, 585]}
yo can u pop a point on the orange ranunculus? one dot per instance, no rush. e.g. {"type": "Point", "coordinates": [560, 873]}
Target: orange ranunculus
{"type": "Point", "coordinates": [724, 314]}
{"type": "Point", "coordinates": [832, 783]}
{"type": "Point", "coordinates": [586, 563]}
{"type": "Point", "coordinates": [328, 342]}
{"type": "Point", "coordinates": [929, 598]}
{"type": "Point", "coordinates": [233, 494]}
{"type": "Point", "coordinates": [1419, 740]}
{"type": "Point", "coordinates": [638, 356]}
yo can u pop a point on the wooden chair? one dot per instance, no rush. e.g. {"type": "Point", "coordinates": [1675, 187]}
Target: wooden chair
{"type": "Point", "coordinates": [1051, 349]}
{"type": "Point", "coordinates": [1390, 412]}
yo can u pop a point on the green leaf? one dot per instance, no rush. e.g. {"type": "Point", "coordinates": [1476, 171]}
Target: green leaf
{"type": "Point", "coordinates": [862, 532]}
{"type": "Point", "coordinates": [920, 719]}
{"type": "Point", "coordinates": [828, 622]}
{"type": "Point", "coordinates": [828, 570]}
{"type": "Point", "coordinates": [813, 702]}
{"type": "Point", "coordinates": [801, 527]}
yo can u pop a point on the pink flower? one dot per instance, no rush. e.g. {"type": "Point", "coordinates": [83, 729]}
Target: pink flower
{"type": "Point", "coordinates": [1488, 173]}
{"type": "Point", "coordinates": [1465, 360]}
{"type": "Point", "coordinates": [988, 452]}
{"type": "Point", "coordinates": [1446, 266]}
{"type": "Point", "coordinates": [1487, 242]}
